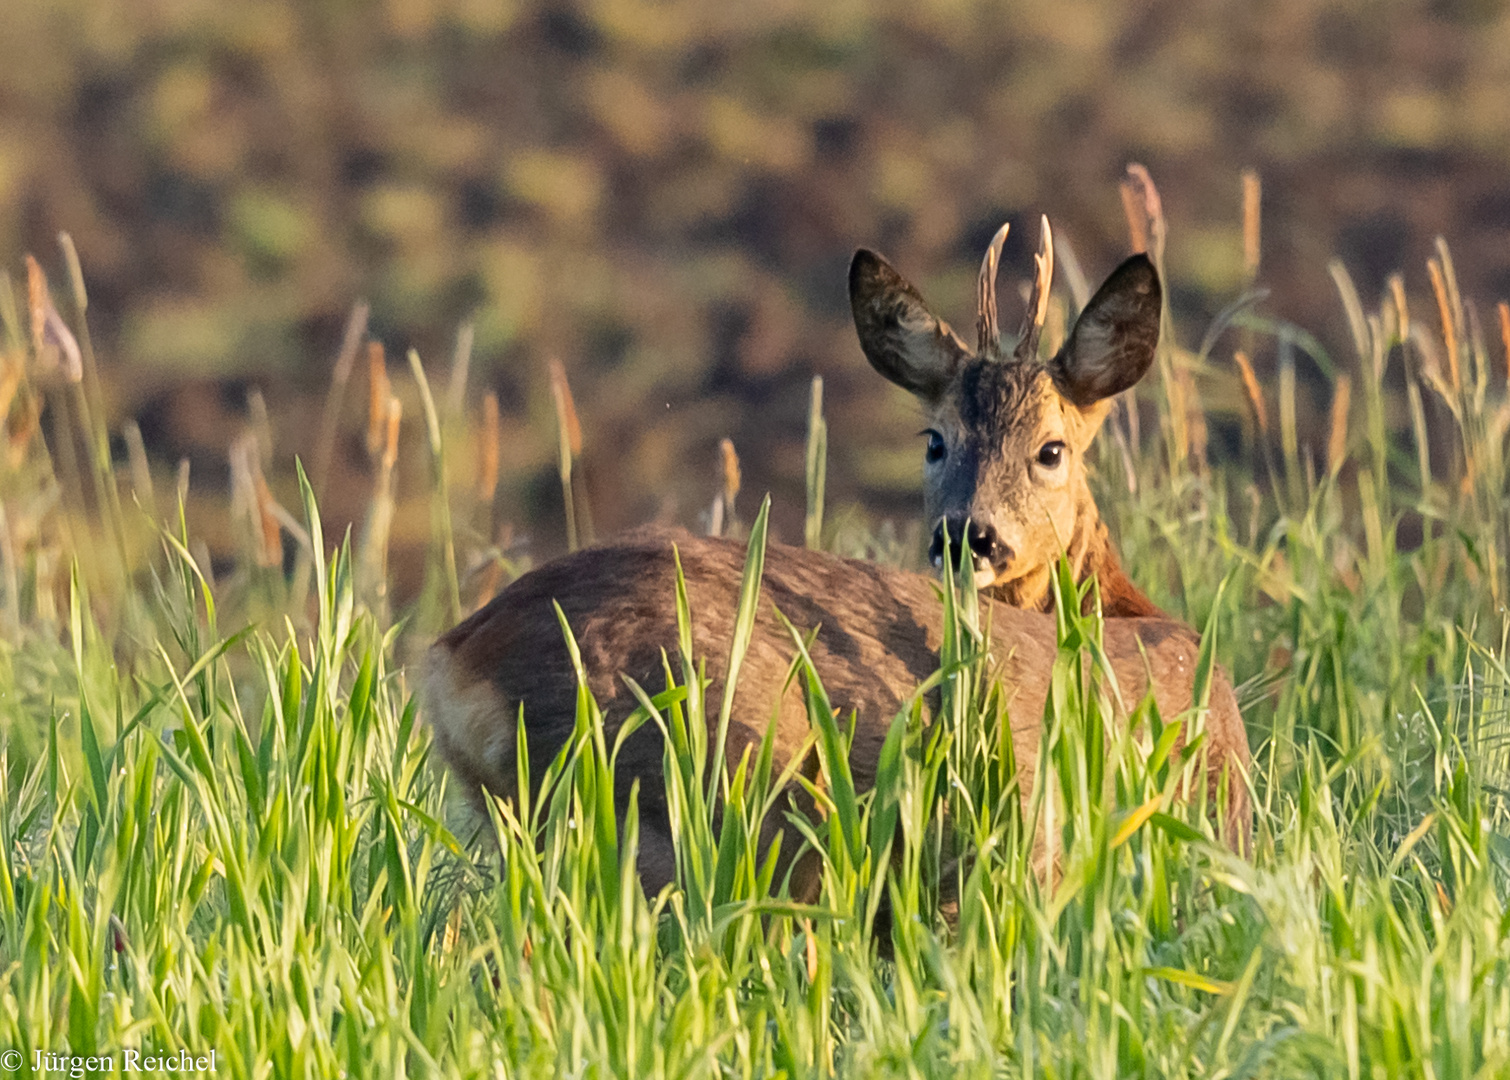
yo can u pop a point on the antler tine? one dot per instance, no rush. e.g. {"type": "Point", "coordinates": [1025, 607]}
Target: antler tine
{"type": "Point", "coordinates": [1038, 300]}
{"type": "Point", "coordinates": [987, 333]}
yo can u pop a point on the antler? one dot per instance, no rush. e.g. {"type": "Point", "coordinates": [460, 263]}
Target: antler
{"type": "Point", "coordinates": [1038, 300]}
{"type": "Point", "coordinates": [987, 334]}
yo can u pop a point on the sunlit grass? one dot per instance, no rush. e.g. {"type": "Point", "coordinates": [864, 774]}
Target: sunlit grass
{"type": "Point", "coordinates": [220, 827]}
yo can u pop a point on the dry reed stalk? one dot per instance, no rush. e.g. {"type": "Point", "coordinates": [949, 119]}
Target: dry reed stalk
{"type": "Point", "coordinates": [52, 341]}
{"type": "Point", "coordinates": [1130, 470]}
{"type": "Point", "coordinates": [1195, 433]}
{"type": "Point", "coordinates": [379, 390]}
{"type": "Point", "coordinates": [1152, 207]}
{"type": "Point", "coordinates": [202, 559]}
{"type": "Point", "coordinates": [1450, 280]}
{"type": "Point", "coordinates": [440, 495]}
{"type": "Point", "coordinates": [729, 464]}
{"type": "Point", "coordinates": [12, 367]}
{"type": "Point", "coordinates": [461, 367]}
{"type": "Point", "coordinates": [1289, 437]}
{"type": "Point", "coordinates": [1396, 287]}
{"type": "Point", "coordinates": [269, 533]}
{"type": "Point", "coordinates": [1449, 328]}
{"type": "Point", "coordinates": [1137, 222]}
{"type": "Point", "coordinates": [1252, 222]}
{"type": "Point", "coordinates": [1418, 429]}
{"type": "Point", "coordinates": [373, 555]}
{"type": "Point", "coordinates": [10, 573]}
{"type": "Point", "coordinates": [261, 425]}
{"type": "Point", "coordinates": [1070, 271]}
{"type": "Point", "coordinates": [390, 439]}
{"type": "Point", "coordinates": [20, 432]}
{"type": "Point", "coordinates": [1055, 326]}
{"type": "Point", "coordinates": [1255, 393]}
{"type": "Point", "coordinates": [1503, 310]}
{"type": "Point", "coordinates": [815, 466]}
{"type": "Point", "coordinates": [89, 370]}
{"type": "Point", "coordinates": [569, 444]}
{"type": "Point", "coordinates": [1337, 439]}
{"type": "Point", "coordinates": [1352, 306]}
{"type": "Point", "coordinates": [330, 419]}
{"type": "Point", "coordinates": [489, 450]}
{"type": "Point", "coordinates": [141, 470]}
{"type": "Point", "coordinates": [1373, 523]}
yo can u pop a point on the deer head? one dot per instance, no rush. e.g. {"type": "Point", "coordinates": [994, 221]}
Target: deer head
{"type": "Point", "coordinates": [1007, 434]}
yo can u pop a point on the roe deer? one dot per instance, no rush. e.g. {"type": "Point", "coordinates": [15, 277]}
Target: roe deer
{"type": "Point", "coordinates": [1007, 435]}
{"type": "Point", "coordinates": [879, 632]}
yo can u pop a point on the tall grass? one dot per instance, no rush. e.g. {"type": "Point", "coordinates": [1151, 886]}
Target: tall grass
{"type": "Point", "coordinates": [220, 828]}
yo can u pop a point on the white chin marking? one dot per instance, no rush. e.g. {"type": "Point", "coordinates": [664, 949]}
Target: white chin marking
{"type": "Point", "coordinates": [938, 562]}
{"type": "Point", "coordinates": [984, 577]}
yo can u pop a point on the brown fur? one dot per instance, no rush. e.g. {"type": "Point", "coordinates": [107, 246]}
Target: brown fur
{"type": "Point", "coordinates": [879, 634]}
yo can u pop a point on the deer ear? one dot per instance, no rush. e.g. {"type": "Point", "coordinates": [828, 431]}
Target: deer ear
{"type": "Point", "coordinates": [902, 339]}
{"type": "Point", "coordinates": [1113, 342]}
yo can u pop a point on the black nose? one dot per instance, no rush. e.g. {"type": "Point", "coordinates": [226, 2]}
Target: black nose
{"type": "Point", "coordinates": [981, 540]}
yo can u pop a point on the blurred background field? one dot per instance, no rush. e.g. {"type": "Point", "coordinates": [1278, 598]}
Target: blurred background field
{"type": "Point", "coordinates": [473, 264]}
{"type": "Point", "coordinates": [664, 196]}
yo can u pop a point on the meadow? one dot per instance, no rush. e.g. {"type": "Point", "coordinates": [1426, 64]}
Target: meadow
{"type": "Point", "coordinates": [222, 827]}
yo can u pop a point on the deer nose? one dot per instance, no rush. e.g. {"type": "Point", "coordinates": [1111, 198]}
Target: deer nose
{"type": "Point", "coordinates": [980, 539]}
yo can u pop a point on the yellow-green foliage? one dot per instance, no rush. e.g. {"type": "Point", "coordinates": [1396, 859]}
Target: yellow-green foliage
{"type": "Point", "coordinates": [219, 829]}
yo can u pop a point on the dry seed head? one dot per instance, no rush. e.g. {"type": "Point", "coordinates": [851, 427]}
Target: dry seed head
{"type": "Point", "coordinates": [1195, 419]}
{"type": "Point", "coordinates": [1337, 442]}
{"type": "Point", "coordinates": [37, 302]}
{"type": "Point", "coordinates": [51, 339]}
{"type": "Point", "coordinates": [1503, 310]}
{"type": "Point", "coordinates": [379, 391]}
{"type": "Point", "coordinates": [351, 341]}
{"type": "Point", "coordinates": [730, 462]}
{"type": "Point", "coordinates": [10, 381]}
{"type": "Point", "coordinates": [390, 444]}
{"type": "Point", "coordinates": [262, 428]}
{"type": "Point", "coordinates": [461, 365]}
{"type": "Point", "coordinates": [141, 471]}
{"type": "Point", "coordinates": [1137, 221]}
{"type": "Point", "coordinates": [1396, 286]}
{"type": "Point", "coordinates": [566, 409]}
{"type": "Point", "coordinates": [1449, 327]}
{"type": "Point", "coordinates": [1151, 206]}
{"type": "Point", "coordinates": [1252, 222]}
{"type": "Point", "coordinates": [270, 546]}
{"type": "Point", "coordinates": [487, 473]}
{"type": "Point", "coordinates": [1255, 394]}
{"type": "Point", "coordinates": [22, 428]}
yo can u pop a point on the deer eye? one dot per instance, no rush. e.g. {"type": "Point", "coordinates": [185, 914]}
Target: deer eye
{"type": "Point", "coordinates": [1050, 454]}
{"type": "Point", "coordinates": [936, 449]}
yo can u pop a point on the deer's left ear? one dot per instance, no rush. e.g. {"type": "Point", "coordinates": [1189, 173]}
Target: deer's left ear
{"type": "Point", "coordinates": [1113, 342]}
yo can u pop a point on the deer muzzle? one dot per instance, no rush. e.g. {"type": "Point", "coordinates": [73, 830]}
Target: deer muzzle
{"type": "Point", "coordinates": [988, 555]}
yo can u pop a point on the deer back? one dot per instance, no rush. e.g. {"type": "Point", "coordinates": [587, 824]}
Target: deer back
{"type": "Point", "coordinates": [879, 632]}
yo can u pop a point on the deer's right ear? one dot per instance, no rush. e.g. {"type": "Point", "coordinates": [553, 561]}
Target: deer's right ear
{"type": "Point", "coordinates": [902, 339]}
{"type": "Point", "coordinates": [1113, 341]}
